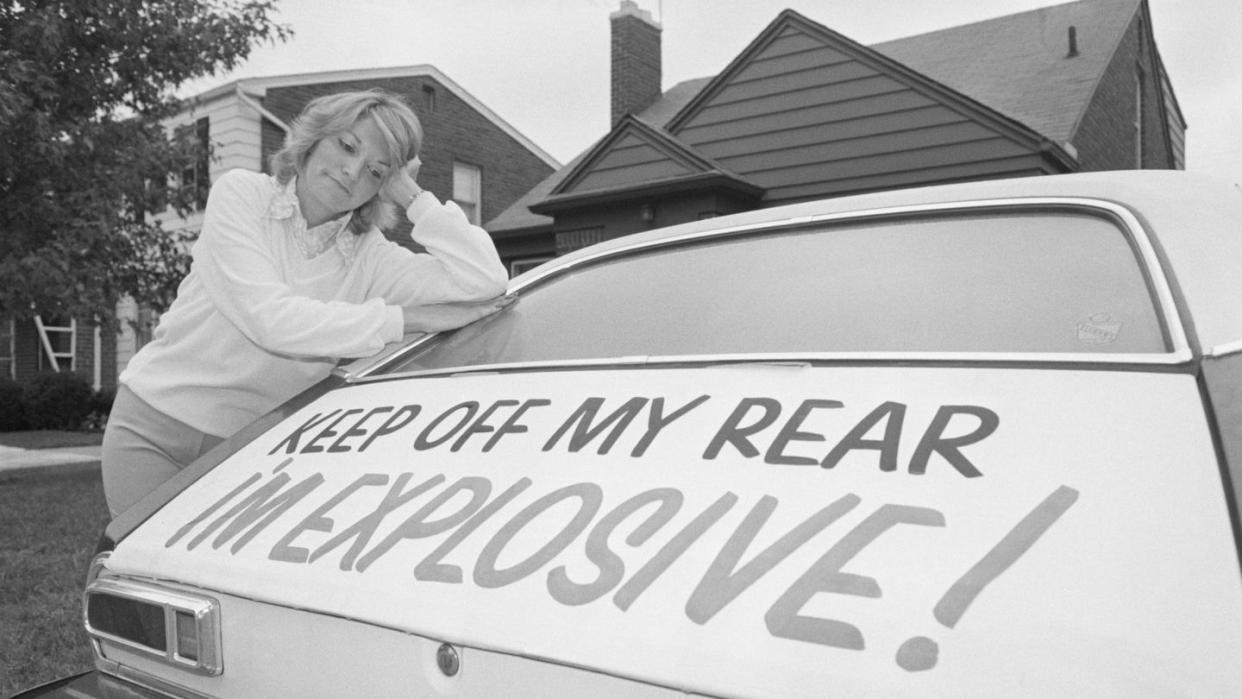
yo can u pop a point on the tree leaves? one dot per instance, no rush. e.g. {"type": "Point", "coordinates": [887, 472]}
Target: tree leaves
{"type": "Point", "coordinates": [84, 158]}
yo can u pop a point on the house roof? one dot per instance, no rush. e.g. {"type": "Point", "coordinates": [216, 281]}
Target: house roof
{"type": "Point", "coordinates": [679, 167]}
{"type": "Point", "coordinates": [1016, 64]}
{"type": "Point", "coordinates": [258, 87]}
{"type": "Point", "coordinates": [1013, 66]}
{"type": "Point", "coordinates": [519, 216]}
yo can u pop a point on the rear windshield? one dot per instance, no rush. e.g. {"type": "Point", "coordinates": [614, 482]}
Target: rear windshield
{"type": "Point", "coordinates": [1023, 282]}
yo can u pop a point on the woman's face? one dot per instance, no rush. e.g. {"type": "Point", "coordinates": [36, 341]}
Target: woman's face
{"type": "Point", "coordinates": [343, 171]}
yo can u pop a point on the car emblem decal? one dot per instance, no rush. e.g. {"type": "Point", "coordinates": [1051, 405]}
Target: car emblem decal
{"type": "Point", "coordinates": [1099, 329]}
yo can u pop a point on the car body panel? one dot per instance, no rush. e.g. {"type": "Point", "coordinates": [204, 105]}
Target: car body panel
{"type": "Point", "coordinates": [1056, 506]}
{"type": "Point", "coordinates": [273, 651]}
{"type": "Point", "coordinates": [749, 523]}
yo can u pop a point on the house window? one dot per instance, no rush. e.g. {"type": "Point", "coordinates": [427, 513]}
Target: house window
{"type": "Point", "coordinates": [429, 99]}
{"type": "Point", "coordinates": [7, 364]}
{"type": "Point", "coordinates": [468, 190]}
{"type": "Point", "coordinates": [57, 343]}
{"type": "Point", "coordinates": [525, 264]}
{"type": "Point", "coordinates": [196, 177]}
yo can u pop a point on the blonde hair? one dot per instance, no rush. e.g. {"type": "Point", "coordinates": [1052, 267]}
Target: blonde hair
{"type": "Point", "coordinates": [331, 114]}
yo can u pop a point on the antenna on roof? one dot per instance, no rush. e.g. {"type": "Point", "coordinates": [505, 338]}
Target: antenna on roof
{"type": "Point", "coordinates": [1073, 42]}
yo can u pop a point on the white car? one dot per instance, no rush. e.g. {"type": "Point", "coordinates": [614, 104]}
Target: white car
{"type": "Point", "coordinates": [973, 440]}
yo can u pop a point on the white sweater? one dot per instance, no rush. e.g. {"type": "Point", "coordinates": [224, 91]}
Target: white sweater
{"type": "Point", "coordinates": [255, 322]}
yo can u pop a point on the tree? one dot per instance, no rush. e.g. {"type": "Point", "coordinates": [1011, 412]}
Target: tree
{"type": "Point", "coordinates": [84, 85]}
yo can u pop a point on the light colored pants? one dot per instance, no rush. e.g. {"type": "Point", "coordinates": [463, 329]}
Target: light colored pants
{"type": "Point", "coordinates": [143, 447]}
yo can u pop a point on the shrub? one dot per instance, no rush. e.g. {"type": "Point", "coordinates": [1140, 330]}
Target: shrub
{"type": "Point", "coordinates": [12, 411]}
{"type": "Point", "coordinates": [56, 401]}
{"type": "Point", "coordinates": [101, 405]}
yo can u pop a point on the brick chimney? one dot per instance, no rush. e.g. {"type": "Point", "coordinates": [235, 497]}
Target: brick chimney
{"type": "Point", "coordinates": [635, 60]}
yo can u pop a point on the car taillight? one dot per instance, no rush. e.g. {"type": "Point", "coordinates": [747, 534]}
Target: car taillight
{"type": "Point", "coordinates": [177, 627]}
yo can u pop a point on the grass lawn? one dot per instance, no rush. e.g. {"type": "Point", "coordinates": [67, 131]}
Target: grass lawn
{"type": "Point", "coordinates": [49, 526]}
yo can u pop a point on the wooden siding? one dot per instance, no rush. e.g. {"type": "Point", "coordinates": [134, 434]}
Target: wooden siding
{"type": "Point", "coordinates": [881, 135]}
{"type": "Point", "coordinates": [912, 147]}
{"type": "Point", "coordinates": [629, 150]}
{"type": "Point", "coordinates": [875, 164]}
{"type": "Point", "coordinates": [233, 128]}
{"type": "Point", "coordinates": [804, 119]}
{"type": "Point", "coordinates": [1026, 166]}
{"type": "Point", "coordinates": [630, 161]}
{"type": "Point", "coordinates": [818, 123]}
{"type": "Point", "coordinates": [235, 133]}
{"type": "Point", "coordinates": [795, 97]}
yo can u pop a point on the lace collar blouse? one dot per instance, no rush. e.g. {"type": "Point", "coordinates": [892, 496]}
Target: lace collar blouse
{"type": "Point", "coordinates": [312, 241]}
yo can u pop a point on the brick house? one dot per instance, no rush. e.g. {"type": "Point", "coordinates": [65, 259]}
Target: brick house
{"type": "Point", "coordinates": [804, 112]}
{"type": "Point", "coordinates": [55, 344]}
{"type": "Point", "coordinates": [471, 156]}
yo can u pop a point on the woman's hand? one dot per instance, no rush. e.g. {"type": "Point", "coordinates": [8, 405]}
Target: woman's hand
{"type": "Point", "coordinates": [447, 316]}
{"type": "Point", "coordinates": [401, 188]}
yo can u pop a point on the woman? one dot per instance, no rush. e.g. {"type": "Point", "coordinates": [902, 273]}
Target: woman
{"type": "Point", "coordinates": [290, 273]}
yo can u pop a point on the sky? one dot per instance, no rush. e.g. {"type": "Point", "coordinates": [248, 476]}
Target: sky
{"type": "Point", "coordinates": [543, 65]}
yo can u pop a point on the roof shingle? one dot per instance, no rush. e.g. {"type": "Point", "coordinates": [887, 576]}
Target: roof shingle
{"type": "Point", "coordinates": [1017, 65]}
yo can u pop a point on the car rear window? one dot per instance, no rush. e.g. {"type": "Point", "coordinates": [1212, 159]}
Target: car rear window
{"type": "Point", "coordinates": [1044, 281]}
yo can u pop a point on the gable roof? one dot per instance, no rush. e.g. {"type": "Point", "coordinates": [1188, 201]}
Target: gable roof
{"type": "Point", "coordinates": [519, 217]}
{"type": "Point", "coordinates": [807, 112]}
{"type": "Point", "coordinates": [1018, 64]}
{"type": "Point", "coordinates": [637, 157]}
{"type": "Point", "coordinates": [245, 88]}
{"type": "Point", "coordinates": [1010, 72]}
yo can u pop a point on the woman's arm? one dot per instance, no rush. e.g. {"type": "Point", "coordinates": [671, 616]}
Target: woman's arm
{"type": "Point", "coordinates": [462, 264]}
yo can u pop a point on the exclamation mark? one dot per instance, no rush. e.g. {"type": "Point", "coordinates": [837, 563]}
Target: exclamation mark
{"type": "Point", "coordinates": [921, 653]}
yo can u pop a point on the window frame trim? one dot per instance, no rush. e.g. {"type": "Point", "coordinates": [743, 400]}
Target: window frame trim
{"type": "Point", "coordinates": [1150, 264]}
{"type": "Point", "coordinates": [477, 204]}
